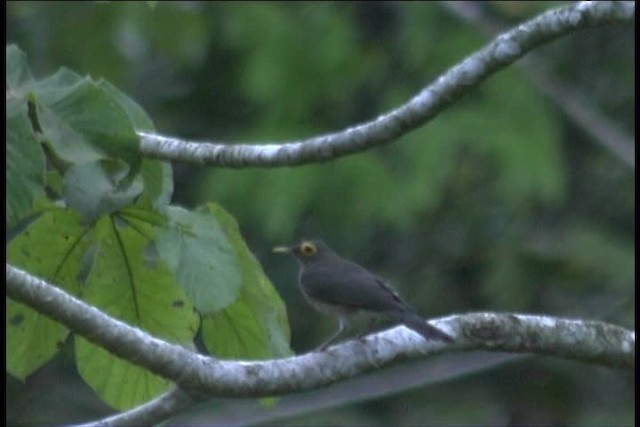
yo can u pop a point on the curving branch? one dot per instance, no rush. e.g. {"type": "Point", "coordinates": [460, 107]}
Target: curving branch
{"type": "Point", "coordinates": [574, 104]}
{"type": "Point", "coordinates": [425, 373]}
{"type": "Point", "coordinates": [448, 88]}
{"type": "Point", "coordinates": [588, 341]}
{"type": "Point", "coordinates": [153, 412]}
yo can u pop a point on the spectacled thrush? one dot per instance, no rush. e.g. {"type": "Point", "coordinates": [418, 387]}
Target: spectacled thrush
{"type": "Point", "coordinates": [341, 288]}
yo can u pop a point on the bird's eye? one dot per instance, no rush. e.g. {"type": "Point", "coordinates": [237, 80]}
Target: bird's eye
{"type": "Point", "coordinates": [308, 248]}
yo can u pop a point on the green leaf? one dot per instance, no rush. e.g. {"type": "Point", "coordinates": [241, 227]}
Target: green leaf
{"type": "Point", "coordinates": [197, 250]}
{"type": "Point", "coordinates": [52, 247]}
{"type": "Point", "coordinates": [58, 86]}
{"type": "Point", "coordinates": [157, 176]}
{"type": "Point", "coordinates": [137, 115]}
{"type": "Point", "coordinates": [54, 182]}
{"type": "Point", "coordinates": [32, 339]}
{"type": "Point", "coordinates": [131, 283]}
{"type": "Point", "coordinates": [235, 332]}
{"type": "Point", "coordinates": [25, 163]}
{"type": "Point", "coordinates": [17, 69]}
{"type": "Point", "coordinates": [94, 189]}
{"type": "Point", "coordinates": [158, 184]}
{"type": "Point", "coordinates": [148, 217]}
{"type": "Point", "coordinates": [255, 326]}
{"type": "Point", "coordinates": [83, 122]}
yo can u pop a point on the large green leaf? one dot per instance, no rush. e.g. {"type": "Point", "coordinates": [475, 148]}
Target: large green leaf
{"type": "Point", "coordinates": [235, 332]}
{"type": "Point", "coordinates": [25, 163]}
{"type": "Point", "coordinates": [138, 117]}
{"type": "Point", "coordinates": [83, 122]}
{"type": "Point", "coordinates": [32, 339]}
{"type": "Point", "coordinates": [17, 69]}
{"type": "Point", "coordinates": [131, 283]}
{"type": "Point", "coordinates": [198, 252]}
{"type": "Point", "coordinates": [53, 248]}
{"type": "Point", "coordinates": [24, 158]}
{"type": "Point", "coordinates": [158, 184]}
{"type": "Point", "coordinates": [93, 190]}
{"type": "Point", "coordinates": [157, 175]}
{"type": "Point", "coordinates": [255, 326]}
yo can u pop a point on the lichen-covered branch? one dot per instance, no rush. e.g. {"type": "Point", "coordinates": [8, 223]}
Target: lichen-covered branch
{"type": "Point", "coordinates": [429, 102]}
{"type": "Point", "coordinates": [151, 413]}
{"type": "Point", "coordinates": [574, 104]}
{"type": "Point", "coordinates": [587, 341]}
{"type": "Point", "coordinates": [119, 338]}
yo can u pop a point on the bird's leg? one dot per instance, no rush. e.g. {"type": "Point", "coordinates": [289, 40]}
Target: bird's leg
{"type": "Point", "coordinates": [341, 327]}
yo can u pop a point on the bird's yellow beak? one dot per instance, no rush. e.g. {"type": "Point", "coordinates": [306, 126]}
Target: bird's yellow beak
{"type": "Point", "coordinates": [281, 250]}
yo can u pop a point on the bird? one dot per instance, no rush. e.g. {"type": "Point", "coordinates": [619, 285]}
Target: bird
{"type": "Point", "coordinates": [340, 288]}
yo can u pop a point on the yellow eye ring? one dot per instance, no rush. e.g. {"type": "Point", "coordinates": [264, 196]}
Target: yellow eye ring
{"type": "Point", "coordinates": [308, 249]}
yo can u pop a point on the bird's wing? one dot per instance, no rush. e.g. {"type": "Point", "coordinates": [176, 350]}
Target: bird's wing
{"type": "Point", "coordinates": [350, 285]}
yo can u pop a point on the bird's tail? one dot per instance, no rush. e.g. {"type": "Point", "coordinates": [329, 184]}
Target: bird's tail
{"type": "Point", "coordinates": [428, 331]}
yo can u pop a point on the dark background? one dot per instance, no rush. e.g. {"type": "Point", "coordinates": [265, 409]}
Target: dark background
{"type": "Point", "coordinates": [502, 203]}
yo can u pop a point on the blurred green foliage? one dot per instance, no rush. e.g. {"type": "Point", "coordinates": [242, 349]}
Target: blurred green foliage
{"type": "Point", "coordinates": [500, 203]}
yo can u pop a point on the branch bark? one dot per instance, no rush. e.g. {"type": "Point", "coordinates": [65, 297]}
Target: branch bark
{"type": "Point", "coordinates": [427, 104]}
{"type": "Point", "coordinates": [574, 104]}
{"type": "Point", "coordinates": [157, 410]}
{"type": "Point", "coordinates": [587, 341]}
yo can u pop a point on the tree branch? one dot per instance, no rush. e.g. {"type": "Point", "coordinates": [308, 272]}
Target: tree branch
{"type": "Point", "coordinates": [153, 412]}
{"type": "Point", "coordinates": [423, 373]}
{"type": "Point", "coordinates": [399, 378]}
{"type": "Point", "coordinates": [587, 341]}
{"type": "Point", "coordinates": [574, 104]}
{"type": "Point", "coordinates": [433, 99]}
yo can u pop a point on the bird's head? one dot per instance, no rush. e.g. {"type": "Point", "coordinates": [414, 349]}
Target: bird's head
{"type": "Point", "coordinates": [306, 251]}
